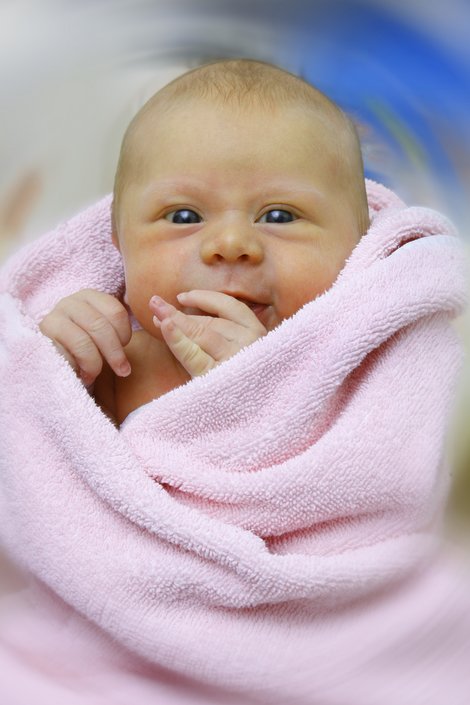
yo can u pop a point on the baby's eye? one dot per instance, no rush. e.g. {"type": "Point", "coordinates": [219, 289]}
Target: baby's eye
{"type": "Point", "coordinates": [183, 216]}
{"type": "Point", "coordinates": [277, 215]}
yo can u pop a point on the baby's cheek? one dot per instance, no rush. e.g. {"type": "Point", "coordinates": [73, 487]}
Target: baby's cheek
{"type": "Point", "coordinates": [136, 301]}
{"type": "Point", "coordinates": [298, 294]}
{"type": "Point", "coordinates": [302, 290]}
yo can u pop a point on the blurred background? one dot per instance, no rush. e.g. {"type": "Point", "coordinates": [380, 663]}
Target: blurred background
{"type": "Point", "coordinates": [72, 75]}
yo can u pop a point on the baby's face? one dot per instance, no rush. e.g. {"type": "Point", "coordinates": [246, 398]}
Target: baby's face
{"type": "Point", "coordinates": [248, 203]}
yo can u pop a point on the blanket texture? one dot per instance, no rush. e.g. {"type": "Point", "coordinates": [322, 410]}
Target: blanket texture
{"type": "Point", "coordinates": [266, 533]}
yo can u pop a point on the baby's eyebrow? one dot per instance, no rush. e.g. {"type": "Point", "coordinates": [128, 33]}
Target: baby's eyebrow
{"type": "Point", "coordinates": [170, 186]}
{"type": "Point", "coordinates": [198, 187]}
{"type": "Point", "coordinates": [291, 187]}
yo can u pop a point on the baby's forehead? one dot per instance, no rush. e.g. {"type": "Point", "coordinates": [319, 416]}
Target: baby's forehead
{"type": "Point", "coordinates": [240, 86]}
{"type": "Point", "coordinates": [176, 116]}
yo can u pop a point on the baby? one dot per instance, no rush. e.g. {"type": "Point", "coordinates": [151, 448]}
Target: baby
{"type": "Point", "coordinates": [267, 533]}
{"type": "Point", "coordinates": [239, 195]}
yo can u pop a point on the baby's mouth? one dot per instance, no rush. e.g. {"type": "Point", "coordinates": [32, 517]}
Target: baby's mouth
{"type": "Point", "coordinates": [257, 307]}
{"type": "Point", "coordinates": [242, 300]}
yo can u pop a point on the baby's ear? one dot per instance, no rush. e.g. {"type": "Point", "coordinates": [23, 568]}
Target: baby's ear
{"type": "Point", "coordinates": [114, 234]}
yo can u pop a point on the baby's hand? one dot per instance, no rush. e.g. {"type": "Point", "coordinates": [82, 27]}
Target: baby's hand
{"type": "Point", "coordinates": [202, 342]}
{"type": "Point", "coordinates": [87, 327]}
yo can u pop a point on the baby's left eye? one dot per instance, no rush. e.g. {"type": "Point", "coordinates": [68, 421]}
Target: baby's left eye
{"type": "Point", "coordinates": [277, 215]}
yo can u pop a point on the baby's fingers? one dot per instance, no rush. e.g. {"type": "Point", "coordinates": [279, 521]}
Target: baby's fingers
{"type": "Point", "coordinates": [76, 346]}
{"type": "Point", "coordinates": [88, 335]}
{"type": "Point", "coordinates": [226, 307]}
{"type": "Point", "coordinates": [111, 309]}
{"type": "Point", "coordinates": [194, 360]}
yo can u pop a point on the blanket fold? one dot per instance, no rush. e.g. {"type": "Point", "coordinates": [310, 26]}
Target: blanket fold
{"type": "Point", "coordinates": [266, 533]}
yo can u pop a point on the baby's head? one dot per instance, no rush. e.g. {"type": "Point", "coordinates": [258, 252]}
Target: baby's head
{"type": "Point", "coordinates": [242, 178]}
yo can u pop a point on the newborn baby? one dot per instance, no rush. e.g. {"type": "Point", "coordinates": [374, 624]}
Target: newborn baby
{"type": "Point", "coordinates": [239, 195]}
{"type": "Point", "coordinates": [269, 532]}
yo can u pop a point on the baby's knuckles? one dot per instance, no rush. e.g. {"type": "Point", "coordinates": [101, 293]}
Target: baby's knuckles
{"type": "Point", "coordinates": [78, 321]}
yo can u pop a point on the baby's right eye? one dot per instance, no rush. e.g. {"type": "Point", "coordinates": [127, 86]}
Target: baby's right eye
{"type": "Point", "coordinates": [183, 216]}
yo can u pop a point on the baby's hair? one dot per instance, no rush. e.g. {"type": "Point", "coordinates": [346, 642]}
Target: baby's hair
{"type": "Point", "coordinates": [246, 83]}
{"type": "Point", "coordinates": [250, 84]}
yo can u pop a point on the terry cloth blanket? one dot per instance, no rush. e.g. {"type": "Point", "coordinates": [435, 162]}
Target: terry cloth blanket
{"type": "Point", "coordinates": [267, 533]}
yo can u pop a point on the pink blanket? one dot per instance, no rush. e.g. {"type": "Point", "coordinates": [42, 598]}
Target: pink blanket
{"type": "Point", "coordinates": [267, 533]}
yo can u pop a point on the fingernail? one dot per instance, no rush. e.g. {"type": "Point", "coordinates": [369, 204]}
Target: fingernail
{"type": "Point", "coordinates": [156, 301]}
{"type": "Point", "coordinates": [124, 370]}
{"type": "Point", "coordinates": [182, 295]}
{"type": "Point", "coordinates": [156, 321]}
{"type": "Point", "coordinates": [86, 378]}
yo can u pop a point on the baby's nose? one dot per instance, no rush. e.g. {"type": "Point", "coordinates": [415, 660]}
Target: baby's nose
{"type": "Point", "coordinates": [232, 245]}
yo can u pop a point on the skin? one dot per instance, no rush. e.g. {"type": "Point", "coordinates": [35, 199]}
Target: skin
{"type": "Point", "coordinates": [232, 221]}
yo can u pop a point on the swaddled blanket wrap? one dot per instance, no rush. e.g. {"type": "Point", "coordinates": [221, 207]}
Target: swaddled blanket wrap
{"type": "Point", "coordinates": [266, 533]}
